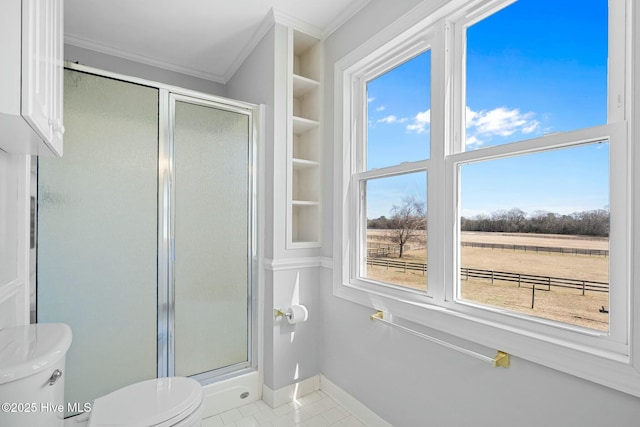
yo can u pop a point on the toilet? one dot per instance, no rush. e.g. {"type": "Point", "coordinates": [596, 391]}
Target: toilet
{"type": "Point", "coordinates": [32, 366]}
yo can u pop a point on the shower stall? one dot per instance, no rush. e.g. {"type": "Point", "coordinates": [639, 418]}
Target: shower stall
{"type": "Point", "coordinates": [146, 234]}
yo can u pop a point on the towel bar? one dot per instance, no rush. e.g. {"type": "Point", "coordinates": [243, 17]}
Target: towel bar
{"type": "Point", "coordinates": [501, 359]}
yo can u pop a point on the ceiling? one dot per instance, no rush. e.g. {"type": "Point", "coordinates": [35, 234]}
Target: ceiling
{"type": "Point", "coordinates": [203, 38]}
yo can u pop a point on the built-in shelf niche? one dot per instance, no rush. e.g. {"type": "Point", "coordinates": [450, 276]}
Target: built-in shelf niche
{"type": "Point", "coordinates": [304, 107]}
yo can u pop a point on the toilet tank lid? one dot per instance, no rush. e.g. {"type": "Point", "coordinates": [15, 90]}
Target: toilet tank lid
{"type": "Point", "coordinates": [28, 349]}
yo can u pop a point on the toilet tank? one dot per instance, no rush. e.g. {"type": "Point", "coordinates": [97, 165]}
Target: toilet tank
{"type": "Point", "coordinates": [32, 366]}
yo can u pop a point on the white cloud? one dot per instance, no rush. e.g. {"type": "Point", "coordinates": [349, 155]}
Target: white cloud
{"type": "Point", "coordinates": [371, 99]}
{"type": "Point", "coordinates": [392, 119]}
{"type": "Point", "coordinates": [531, 127]}
{"type": "Point", "coordinates": [473, 141]}
{"type": "Point", "coordinates": [381, 108]}
{"type": "Point", "coordinates": [485, 124]}
{"type": "Point", "coordinates": [421, 122]}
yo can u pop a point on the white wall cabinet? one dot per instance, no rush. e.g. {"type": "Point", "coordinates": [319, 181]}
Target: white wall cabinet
{"type": "Point", "coordinates": [31, 76]}
{"type": "Point", "coordinates": [303, 145]}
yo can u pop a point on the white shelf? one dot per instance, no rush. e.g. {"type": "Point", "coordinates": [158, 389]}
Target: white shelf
{"type": "Point", "coordinates": [303, 163]}
{"type": "Point", "coordinates": [303, 85]}
{"type": "Point", "coordinates": [302, 125]}
{"type": "Point", "coordinates": [305, 203]}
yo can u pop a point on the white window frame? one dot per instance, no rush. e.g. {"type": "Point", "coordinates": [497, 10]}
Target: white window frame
{"type": "Point", "coordinates": [605, 358]}
{"type": "Point", "coordinates": [406, 50]}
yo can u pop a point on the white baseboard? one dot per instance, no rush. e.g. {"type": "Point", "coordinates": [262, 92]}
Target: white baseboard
{"type": "Point", "coordinates": [284, 395]}
{"type": "Point", "coordinates": [351, 404]}
{"type": "Point", "coordinates": [275, 398]}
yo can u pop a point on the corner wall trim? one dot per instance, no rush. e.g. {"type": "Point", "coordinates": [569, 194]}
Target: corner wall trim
{"type": "Point", "coordinates": [326, 262]}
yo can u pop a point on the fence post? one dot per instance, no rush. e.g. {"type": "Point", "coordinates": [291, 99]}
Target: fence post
{"type": "Point", "coordinates": [519, 277]}
{"type": "Point", "coordinates": [549, 283]}
{"type": "Point", "coordinates": [583, 288]}
{"type": "Point", "coordinates": [533, 295]}
{"type": "Point", "coordinates": [492, 277]}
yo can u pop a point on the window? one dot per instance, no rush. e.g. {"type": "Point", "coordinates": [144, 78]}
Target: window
{"type": "Point", "coordinates": [393, 184]}
{"type": "Point", "coordinates": [505, 149]}
{"type": "Point", "coordinates": [538, 222]}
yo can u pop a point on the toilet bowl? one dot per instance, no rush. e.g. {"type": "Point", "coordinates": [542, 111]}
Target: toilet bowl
{"type": "Point", "coordinates": [32, 370]}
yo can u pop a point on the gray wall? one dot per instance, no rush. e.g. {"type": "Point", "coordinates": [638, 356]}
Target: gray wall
{"type": "Point", "coordinates": [135, 69]}
{"type": "Point", "coordinates": [411, 382]}
{"type": "Point", "coordinates": [253, 82]}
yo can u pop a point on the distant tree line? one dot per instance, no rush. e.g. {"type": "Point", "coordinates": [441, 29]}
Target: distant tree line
{"type": "Point", "coordinates": [586, 223]}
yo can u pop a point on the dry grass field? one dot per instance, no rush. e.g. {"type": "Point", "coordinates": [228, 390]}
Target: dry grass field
{"type": "Point", "coordinates": [565, 305]}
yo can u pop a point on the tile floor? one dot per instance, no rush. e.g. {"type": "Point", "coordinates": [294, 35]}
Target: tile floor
{"type": "Point", "coordinates": [313, 410]}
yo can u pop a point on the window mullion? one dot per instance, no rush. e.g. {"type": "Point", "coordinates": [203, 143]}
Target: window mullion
{"type": "Point", "coordinates": [440, 136]}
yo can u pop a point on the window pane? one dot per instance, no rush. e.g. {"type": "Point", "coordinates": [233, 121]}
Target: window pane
{"type": "Point", "coordinates": [399, 114]}
{"type": "Point", "coordinates": [535, 234]}
{"type": "Point", "coordinates": [536, 67]}
{"type": "Point", "coordinates": [396, 237]}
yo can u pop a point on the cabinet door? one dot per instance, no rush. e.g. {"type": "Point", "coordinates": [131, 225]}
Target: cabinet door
{"type": "Point", "coordinates": [37, 65]}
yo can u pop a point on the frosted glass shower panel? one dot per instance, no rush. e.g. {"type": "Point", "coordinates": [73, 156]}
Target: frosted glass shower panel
{"type": "Point", "coordinates": [97, 234]}
{"type": "Point", "coordinates": [211, 149]}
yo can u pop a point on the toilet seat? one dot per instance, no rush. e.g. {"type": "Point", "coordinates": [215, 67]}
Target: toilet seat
{"type": "Point", "coordinates": [161, 402]}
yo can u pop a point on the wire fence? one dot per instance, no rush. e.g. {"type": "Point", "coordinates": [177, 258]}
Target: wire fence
{"type": "Point", "coordinates": [523, 280]}
{"type": "Point", "coordinates": [537, 249]}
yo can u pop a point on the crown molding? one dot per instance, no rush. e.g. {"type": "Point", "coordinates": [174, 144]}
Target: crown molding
{"type": "Point", "coordinates": [72, 40]}
{"type": "Point", "coordinates": [296, 24]}
{"type": "Point", "coordinates": [256, 38]}
{"type": "Point", "coordinates": [271, 18]}
{"type": "Point", "coordinates": [344, 16]}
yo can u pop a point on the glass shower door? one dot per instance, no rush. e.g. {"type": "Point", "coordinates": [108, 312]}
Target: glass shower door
{"type": "Point", "coordinates": [212, 246]}
{"type": "Point", "coordinates": [97, 234]}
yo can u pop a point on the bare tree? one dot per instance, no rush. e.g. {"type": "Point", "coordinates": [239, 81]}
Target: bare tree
{"type": "Point", "coordinates": [407, 221]}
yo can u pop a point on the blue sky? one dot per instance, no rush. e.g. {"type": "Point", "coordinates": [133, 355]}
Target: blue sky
{"type": "Point", "coordinates": [536, 67]}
